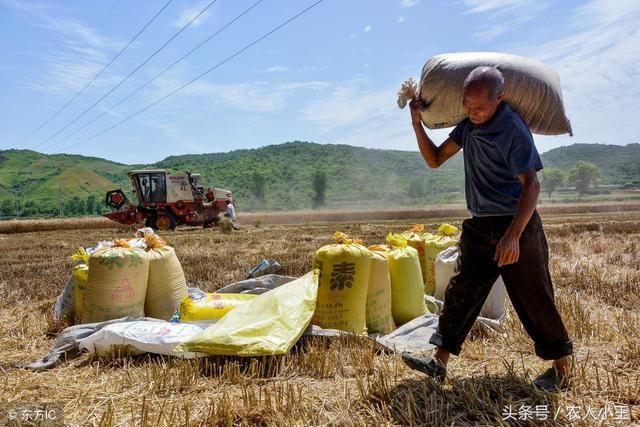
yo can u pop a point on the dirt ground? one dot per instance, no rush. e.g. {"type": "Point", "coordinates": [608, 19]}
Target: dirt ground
{"type": "Point", "coordinates": [595, 264]}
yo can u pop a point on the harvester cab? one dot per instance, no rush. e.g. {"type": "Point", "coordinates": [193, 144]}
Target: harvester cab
{"type": "Point", "coordinates": [166, 200]}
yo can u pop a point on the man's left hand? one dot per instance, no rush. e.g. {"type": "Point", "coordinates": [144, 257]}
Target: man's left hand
{"type": "Point", "coordinates": [508, 249]}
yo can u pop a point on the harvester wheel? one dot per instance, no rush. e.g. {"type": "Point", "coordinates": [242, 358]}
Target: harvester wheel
{"type": "Point", "coordinates": [162, 221]}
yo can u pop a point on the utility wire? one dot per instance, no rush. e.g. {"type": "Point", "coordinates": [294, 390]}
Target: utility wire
{"type": "Point", "coordinates": [198, 46]}
{"type": "Point", "coordinates": [229, 58]}
{"type": "Point", "coordinates": [94, 77]}
{"type": "Point", "coordinates": [127, 76]}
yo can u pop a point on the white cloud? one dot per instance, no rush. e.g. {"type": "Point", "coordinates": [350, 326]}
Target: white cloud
{"type": "Point", "coordinates": [353, 36]}
{"type": "Point", "coordinates": [277, 68]}
{"type": "Point", "coordinates": [191, 12]}
{"type": "Point", "coordinates": [496, 6]}
{"type": "Point", "coordinates": [81, 53]}
{"type": "Point", "coordinates": [408, 3]}
{"type": "Point", "coordinates": [355, 115]}
{"type": "Point", "coordinates": [351, 105]}
{"type": "Point", "coordinates": [401, 19]}
{"type": "Point", "coordinates": [502, 15]}
{"type": "Point", "coordinates": [260, 96]}
{"type": "Point", "coordinates": [367, 28]}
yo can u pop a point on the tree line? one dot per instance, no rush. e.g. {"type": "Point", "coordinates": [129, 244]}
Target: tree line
{"type": "Point", "coordinates": [74, 207]}
{"type": "Point", "coordinates": [582, 176]}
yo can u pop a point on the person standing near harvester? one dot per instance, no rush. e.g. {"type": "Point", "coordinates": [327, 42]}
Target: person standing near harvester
{"type": "Point", "coordinates": [503, 237]}
{"type": "Point", "coordinates": [231, 213]}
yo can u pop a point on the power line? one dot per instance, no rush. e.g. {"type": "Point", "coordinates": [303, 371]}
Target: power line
{"type": "Point", "coordinates": [94, 77]}
{"type": "Point", "coordinates": [196, 78]}
{"type": "Point", "coordinates": [127, 76]}
{"type": "Point", "coordinates": [198, 46]}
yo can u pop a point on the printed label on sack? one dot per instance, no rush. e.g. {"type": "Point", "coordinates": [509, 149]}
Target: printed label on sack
{"type": "Point", "coordinates": [218, 303]}
{"type": "Point", "coordinates": [123, 292]}
{"type": "Point", "coordinates": [342, 276]}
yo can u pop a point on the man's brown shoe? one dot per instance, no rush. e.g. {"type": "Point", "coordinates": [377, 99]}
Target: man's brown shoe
{"type": "Point", "coordinates": [552, 380]}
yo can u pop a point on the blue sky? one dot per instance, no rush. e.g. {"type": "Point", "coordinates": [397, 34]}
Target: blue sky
{"type": "Point", "coordinates": [331, 76]}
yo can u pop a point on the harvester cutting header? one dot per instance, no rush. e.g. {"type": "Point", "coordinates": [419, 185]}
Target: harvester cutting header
{"type": "Point", "coordinates": [166, 200]}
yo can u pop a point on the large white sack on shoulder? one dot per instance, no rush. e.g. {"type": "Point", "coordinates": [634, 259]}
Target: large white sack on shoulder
{"type": "Point", "coordinates": [446, 265]}
{"type": "Point", "coordinates": [142, 336]}
{"type": "Point", "coordinates": [531, 88]}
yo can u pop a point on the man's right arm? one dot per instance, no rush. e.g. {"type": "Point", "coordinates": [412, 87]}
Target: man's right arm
{"type": "Point", "coordinates": [434, 156]}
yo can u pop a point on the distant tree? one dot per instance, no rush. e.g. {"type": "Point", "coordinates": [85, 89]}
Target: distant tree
{"type": "Point", "coordinates": [319, 188]}
{"type": "Point", "coordinates": [416, 189]}
{"type": "Point", "coordinates": [258, 188]}
{"type": "Point", "coordinates": [29, 209]}
{"type": "Point", "coordinates": [7, 208]}
{"type": "Point", "coordinates": [74, 207]}
{"type": "Point", "coordinates": [552, 179]}
{"type": "Point", "coordinates": [582, 175]}
{"type": "Point", "coordinates": [90, 205]}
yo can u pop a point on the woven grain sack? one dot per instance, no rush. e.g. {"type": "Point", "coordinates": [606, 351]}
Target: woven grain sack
{"type": "Point", "coordinates": [407, 288]}
{"type": "Point", "coordinates": [434, 244]}
{"type": "Point", "coordinates": [68, 305]}
{"type": "Point", "coordinates": [117, 284]}
{"type": "Point", "coordinates": [344, 282]}
{"type": "Point", "coordinates": [416, 239]}
{"type": "Point", "coordinates": [80, 277]}
{"type": "Point", "coordinates": [531, 88]}
{"type": "Point", "coordinates": [379, 315]}
{"type": "Point", "coordinates": [268, 324]}
{"type": "Point", "coordinates": [167, 285]}
{"type": "Point", "coordinates": [210, 306]}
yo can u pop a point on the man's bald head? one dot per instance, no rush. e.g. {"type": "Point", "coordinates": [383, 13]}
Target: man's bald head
{"type": "Point", "coordinates": [483, 93]}
{"type": "Point", "coordinates": [487, 79]}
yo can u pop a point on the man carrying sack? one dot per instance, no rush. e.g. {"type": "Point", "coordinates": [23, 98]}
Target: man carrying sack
{"type": "Point", "coordinates": [504, 236]}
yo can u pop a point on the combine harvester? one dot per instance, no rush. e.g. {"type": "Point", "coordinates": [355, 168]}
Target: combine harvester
{"type": "Point", "coordinates": [166, 200]}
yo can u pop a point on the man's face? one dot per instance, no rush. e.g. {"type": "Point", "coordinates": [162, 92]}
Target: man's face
{"type": "Point", "coordinates": [480, 105]}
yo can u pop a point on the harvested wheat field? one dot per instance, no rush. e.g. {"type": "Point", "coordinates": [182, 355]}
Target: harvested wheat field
{"type": "Point", "coordinates": [595, 262]}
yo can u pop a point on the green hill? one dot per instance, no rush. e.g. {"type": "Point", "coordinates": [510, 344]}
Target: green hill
{"type": "Point", "coordinates": [42, 179]}
{"type": "Point", "coordinates": [356, 177]}
{"type": "Point", "coordinates": [620, 164]}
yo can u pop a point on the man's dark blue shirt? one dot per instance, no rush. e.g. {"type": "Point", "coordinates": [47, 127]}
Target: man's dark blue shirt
{"type": "Point", "coordinates": [494, 155]}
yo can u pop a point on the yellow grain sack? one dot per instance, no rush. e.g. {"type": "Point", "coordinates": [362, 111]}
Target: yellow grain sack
{"type": "Point", "coordinates": [269, 324]}
{"type": "Point", "coordinates": [379, 316]}
{"type": "Point", "coordinates": [117, 284]}
{"type": "Point", "coordinates": [210, 306]}
{"type": "Point", "coordinates": [435, 244]}
{"type": "Point", "coordinates": [344, 280]}
{"type": "Point", "coordinates": [167, 285]}
{"type": "Point", "coordinates": [80, 277]}
{"type": "Point", "coordinates": [407, 289]}
{"type": "Point", "coordinates": [379, 248]}
{"type": "Point", "coordinates": [416, 239]}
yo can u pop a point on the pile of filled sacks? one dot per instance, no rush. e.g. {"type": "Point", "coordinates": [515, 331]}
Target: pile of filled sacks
{"type": "Point", "coordinates": [361, 289]}
{"type": "Point", "coordinates": [376, 288]}
{"type": "Point", "coordinates": [126, 277]}
{"type": "Point", "coordinates": [136, 277]}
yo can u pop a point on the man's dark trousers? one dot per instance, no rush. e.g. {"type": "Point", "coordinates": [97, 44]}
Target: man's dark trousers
{"type": "Point", "coordinates": [527, 281]}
